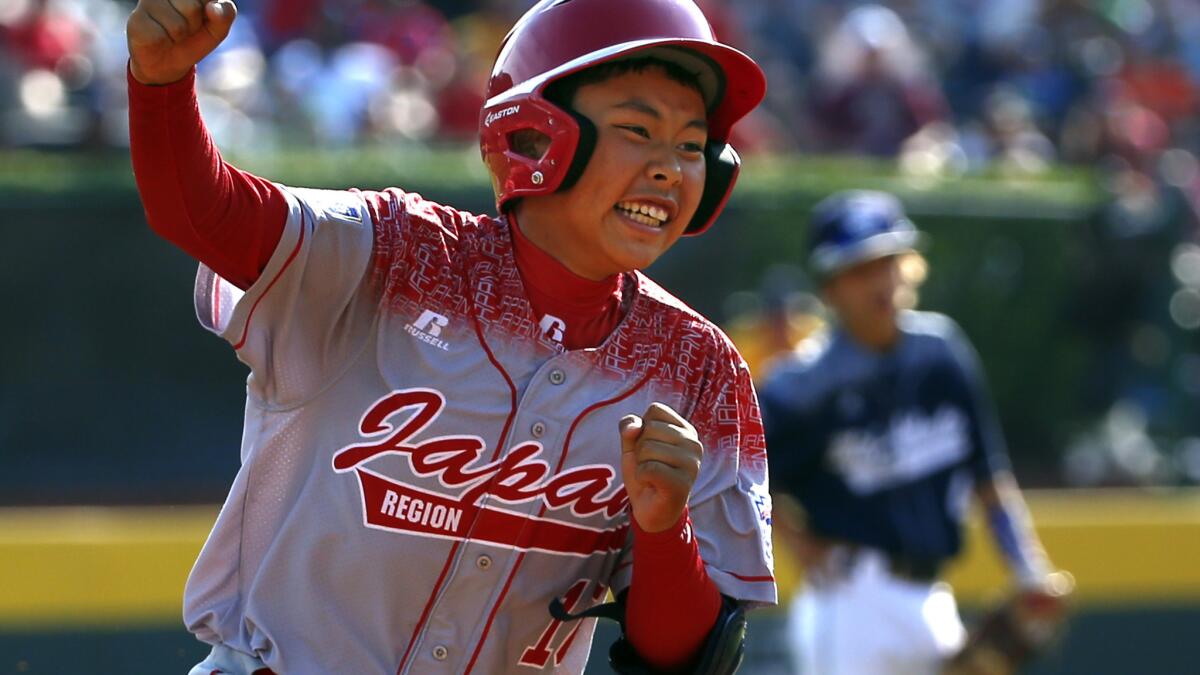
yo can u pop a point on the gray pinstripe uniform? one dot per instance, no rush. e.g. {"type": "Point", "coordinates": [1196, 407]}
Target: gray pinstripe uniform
{"type": "Point", "coordinates": [423, 471]}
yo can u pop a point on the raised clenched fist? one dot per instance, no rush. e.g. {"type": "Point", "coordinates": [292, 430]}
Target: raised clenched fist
{"type": "Point", "coordinates": [660, 459]}
{"type": "Point", "coordinates": [167, 37]}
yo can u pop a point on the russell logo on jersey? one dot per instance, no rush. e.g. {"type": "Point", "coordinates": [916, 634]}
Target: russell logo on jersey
{"type": "Point", "coordinates": [428, 327]}
{"type": "Point", "coordinates": [519, 476]}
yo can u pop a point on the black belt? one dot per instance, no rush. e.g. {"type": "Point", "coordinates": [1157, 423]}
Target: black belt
{"type": "Point", "coordinates": [912, 568]}
{"type": "Point", "coordinates": [844, 555]}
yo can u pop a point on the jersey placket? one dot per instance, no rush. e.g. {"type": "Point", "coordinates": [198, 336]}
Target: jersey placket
{"type": "Point", "coordinates": [486, 571]}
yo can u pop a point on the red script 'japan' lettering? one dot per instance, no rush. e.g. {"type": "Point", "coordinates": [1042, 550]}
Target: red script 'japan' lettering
{"type": "Point", "coordinates": [519, 476]}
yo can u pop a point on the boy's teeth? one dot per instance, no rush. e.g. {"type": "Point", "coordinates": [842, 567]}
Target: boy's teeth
{"type": "Point", "coordinates": [644, 219]}
{"type": "Point", "coordinates": [644, 213]}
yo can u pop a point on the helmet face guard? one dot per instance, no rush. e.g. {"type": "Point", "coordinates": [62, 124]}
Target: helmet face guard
{"type": "Point", "coordinates": [515, 174]}
{"type": "Point", "coordinates": [557, 38]}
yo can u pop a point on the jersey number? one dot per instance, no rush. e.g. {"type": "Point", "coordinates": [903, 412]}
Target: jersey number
{"type": "Point", "coordinates": [539, 654]}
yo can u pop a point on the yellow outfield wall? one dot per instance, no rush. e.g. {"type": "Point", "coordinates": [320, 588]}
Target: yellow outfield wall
{"type": "Point", "coordinates": [97, 567]}
{"type": "Point", "coordinates": [93, 567]}
{"type": "Point", "coordinates": [1122, 546]}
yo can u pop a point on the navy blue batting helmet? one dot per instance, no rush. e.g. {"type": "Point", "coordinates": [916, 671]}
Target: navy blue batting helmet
{"type": "Point", "coordinates": [855, 226]}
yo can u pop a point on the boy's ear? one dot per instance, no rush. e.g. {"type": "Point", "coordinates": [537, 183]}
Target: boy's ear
{"type": "Point", "coordinates": [583, 151]}
{"type": "Point", "coordinates": [529, 143]}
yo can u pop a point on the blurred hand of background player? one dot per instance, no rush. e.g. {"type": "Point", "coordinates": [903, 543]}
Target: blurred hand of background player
{"type": "Point", "coordinates": [660, 459]}
{"type": "Point", "coordinates": [1017, 630]}
{"type": "Point", "coordinates": [167, 37]}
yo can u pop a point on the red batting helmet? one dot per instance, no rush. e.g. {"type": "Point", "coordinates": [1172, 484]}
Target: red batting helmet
{"type": "Point", "coordinates": [560, 37]}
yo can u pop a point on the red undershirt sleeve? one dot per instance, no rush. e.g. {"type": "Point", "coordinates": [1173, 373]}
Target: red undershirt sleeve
{"type": "Point", "coordinates": [226, 218]}
{"type": "Point", "coordinates": [672, 604]}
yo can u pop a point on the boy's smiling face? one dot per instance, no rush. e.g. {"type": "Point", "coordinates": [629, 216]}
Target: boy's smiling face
{"type": "Point", "coordinates": [642, 184]}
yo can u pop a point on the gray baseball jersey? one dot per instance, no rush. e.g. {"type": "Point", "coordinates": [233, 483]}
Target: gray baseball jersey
{"type": "Point", "coordinates": [424, 468]}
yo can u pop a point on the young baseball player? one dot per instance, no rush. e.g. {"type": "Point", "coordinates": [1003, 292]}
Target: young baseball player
{"type": "Point", "coordinates": [881, 430]}
{"type": "Point", "coordinates": [455, 421]}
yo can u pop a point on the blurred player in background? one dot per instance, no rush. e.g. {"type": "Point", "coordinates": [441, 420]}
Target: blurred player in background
{"type": "Point", "coordinates": [457, 422]}
{"type": "Point", "coordinates": [879, 431]}
{"type": "Point", "coordinates": [769, 323]}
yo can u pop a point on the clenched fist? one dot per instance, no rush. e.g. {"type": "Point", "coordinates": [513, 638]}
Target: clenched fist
{"type": "Point", "coordinates": [167, 37]}
{"type": "Point", "coordinates": [660, 459]}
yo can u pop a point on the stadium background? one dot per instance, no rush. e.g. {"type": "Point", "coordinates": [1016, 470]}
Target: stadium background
{"type": "Point", "coordinates": [1048, 146]}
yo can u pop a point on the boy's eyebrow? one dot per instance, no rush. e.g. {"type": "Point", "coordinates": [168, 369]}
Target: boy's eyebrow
{"type": "Point", "coordinates": [638, 105]}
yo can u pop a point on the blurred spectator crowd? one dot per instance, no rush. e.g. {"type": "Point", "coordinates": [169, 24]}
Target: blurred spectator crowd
{"type": "Point", "coordinates": [949, 86]}
{"type": "Point", "coordinates": [293, 72]}
{"type": "Point", "coordinates": [943, 87]}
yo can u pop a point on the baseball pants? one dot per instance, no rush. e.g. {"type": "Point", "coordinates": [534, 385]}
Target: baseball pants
{"type": "Point", "coordinates": [867, 621]}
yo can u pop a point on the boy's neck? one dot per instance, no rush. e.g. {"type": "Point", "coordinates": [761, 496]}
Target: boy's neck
{"type": "Point", "coordinates": [547, 235]}
{"type": "Point", "coordinates": [547, 278]}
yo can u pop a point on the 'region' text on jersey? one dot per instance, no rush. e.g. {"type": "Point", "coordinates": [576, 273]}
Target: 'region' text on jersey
{"type": "Point", "coordinates": [425, 466]}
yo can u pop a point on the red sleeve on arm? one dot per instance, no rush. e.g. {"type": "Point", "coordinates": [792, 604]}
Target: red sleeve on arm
{"type": "Point", "coordinates": [227, 219]}
{"type": "Point", "coordinates": [672, 604]}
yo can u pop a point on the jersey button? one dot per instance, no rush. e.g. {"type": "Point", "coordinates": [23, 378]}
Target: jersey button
{"type": "Point", "coordinates": [483, 562]}
{"type": "Point", "coordinates": [557, 376]}
{"type": "Point", "coordinates": [538, 429]}
{"type": "Point", "coordinates": [440, 652]}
